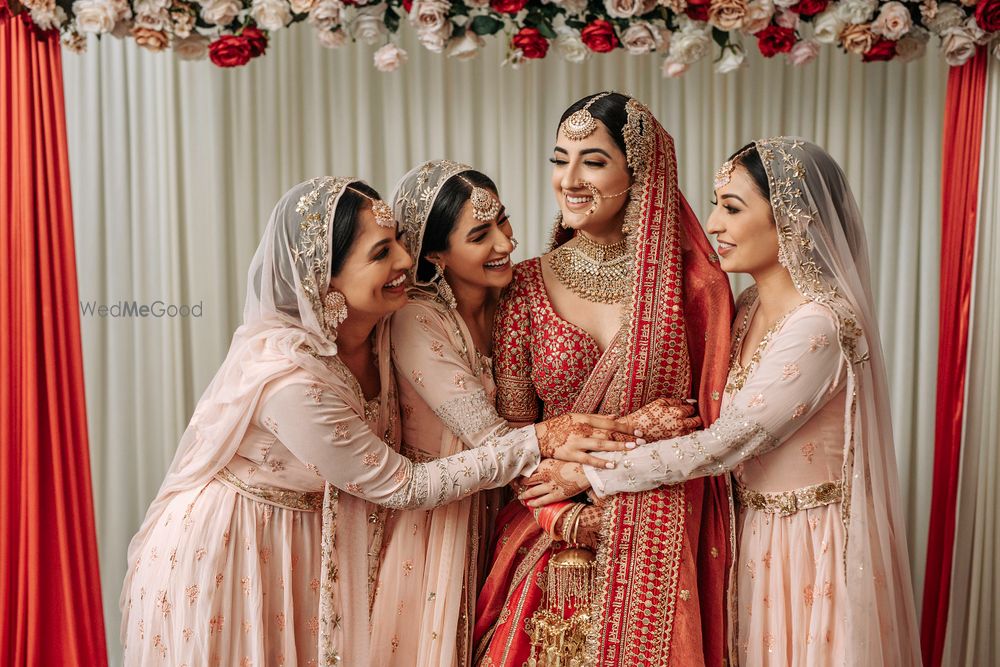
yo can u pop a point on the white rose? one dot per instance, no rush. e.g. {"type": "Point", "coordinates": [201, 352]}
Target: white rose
{"type": "Point", "coordinates": [977, 33]}
{"type": "Point", "coordinates": [301, 6]}
{"type": "Point", "coordinates": [641, 37]}
{"type": "Point", "coordinates": [672, 70]}
{"type": "Point", "coordinates": [331, 39]}
{"type": "Point", "coordinates": [74, 41]}
{"type": "Point", "coordinates": [688, 46]}
{"type": "Point", "coordinates": [271, 14]}
{"type": "Point", "coordinates": [48, 15]}
{"type": "Point", "coordinates": [94, 16]}
{"type": "Point", "coordinates": [958, 46]}
{"type": "Point", "coordinates": [368, 26]}
{"type": "Point", "coordinates": [787, 19]}
{"type": "Point", "coordinates": [192, 47]}
{"type": "Point", "coordinates": [153, 19]}
{"type": "Point", "coordinates": [389, 58]}
{"type": "Point", "coordinates": [803, 52]}
{"type": "Point", "coordinates": [623, 9]}
{"type": "Point", "coordinates": [465, 47]}
{"type": "Point", "coordinates": [758, 16]}
{"type": "Point", "coordinates": [913, 45]}
{"type": "Point", "coordinates": [732, 59]}
{"type": "Point", "coordinates": [326, 14]}
{"type": "Point", "coordinates": [948, 15]}
{"type": "Point", "coordinates": [827, 27]}
{"type": "Point", "coordinates": [858, 11]}
{"type": "Point", "coordinates": [430, 15]}
{"type": "Point", "coordinates": [574, 7]}
{"type": "Point", "coordinates": [893, 21]}
{"type": "Point", "coordinates": [435, 40]}
{"type": "Point", "coordinates": [515, 59]}
{"type": "Point", "coordinates": [569, 44]}
{"type": "Point", "coordinates": [183, 24]}
{"type": "Point", "coordinates": [220, 12]}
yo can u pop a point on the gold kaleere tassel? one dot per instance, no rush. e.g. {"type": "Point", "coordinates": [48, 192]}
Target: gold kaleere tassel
{"type": "Point", "coordinates": [558, 630]}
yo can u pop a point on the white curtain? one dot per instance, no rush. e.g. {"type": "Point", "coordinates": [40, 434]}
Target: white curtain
{"type": "Point", "coordinates": [973, 623]}
{"type": "Point", "coordinates": [175, 167]}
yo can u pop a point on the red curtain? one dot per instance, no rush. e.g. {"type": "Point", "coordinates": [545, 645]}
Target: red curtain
{"type": "Point", "coordinates": [50, 589]}
{"type": "Point", "coordinates": [963, 133]}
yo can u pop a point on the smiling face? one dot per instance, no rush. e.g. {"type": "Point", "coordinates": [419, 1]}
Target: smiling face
{"type": "Point", "coordinates": [478, 252]}
{"type": "Point", "coordinates": [596, 160]}
{"type": "Point", "coordinates": [372, 276]}
{"type": "Point", "coordinates": [743, 225]}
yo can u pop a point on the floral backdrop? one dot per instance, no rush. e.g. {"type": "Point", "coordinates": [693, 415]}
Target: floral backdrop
{"type": "Point", "coordinates": [233, 32]}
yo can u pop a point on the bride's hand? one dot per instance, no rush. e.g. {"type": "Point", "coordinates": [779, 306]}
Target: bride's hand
{"type": "Point", "coordinates": [553, 481]}
{"type": "Point", "coordinates": [569, 437]}
{"type": "Point", "coordinates": [662, 419]}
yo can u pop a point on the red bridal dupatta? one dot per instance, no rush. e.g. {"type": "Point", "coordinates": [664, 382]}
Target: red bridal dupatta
{"type": "Point", "coordinates": [664, 555]}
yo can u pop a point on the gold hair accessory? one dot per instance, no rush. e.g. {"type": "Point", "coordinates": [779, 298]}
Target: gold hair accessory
{"type": "Point", "coordinates": [381, 210]}
{"type": "Point", "coordinates": [725, 172]}
{"type": "Point", "coordinates": [581, 124]}
{"type": "Point", "coordinates": [485, 205]}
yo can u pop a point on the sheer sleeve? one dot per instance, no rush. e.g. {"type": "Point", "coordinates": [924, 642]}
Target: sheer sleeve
{"type": "Point", "coordinates": [798, 374]}
{"type": "Point", "coordinates": [516, 397]}
{"type": "Point", "coordinates": [425, 357]}
{"type": "Point", "coordinates": [321, 430]}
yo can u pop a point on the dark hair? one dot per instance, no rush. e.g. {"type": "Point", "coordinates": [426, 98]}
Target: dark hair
{"type": "Point", "coordinates": [610, 110]}
{"type": "Point", "coordinates": [345, 222]}
{"type": "Point", "coordinates": [749, 159]}
{"type": "Point", "coordinates": [444, 213]}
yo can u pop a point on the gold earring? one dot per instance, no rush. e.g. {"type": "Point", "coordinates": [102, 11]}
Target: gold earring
{"type": "Point", "coordinates": [334, 312]}
{"type": "Point", "coordinates": [444, 292]}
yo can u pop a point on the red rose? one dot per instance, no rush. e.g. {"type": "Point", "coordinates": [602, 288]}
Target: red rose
{"type": "Point", "coordinates": [508, 6]}
{"type": "Point", "coordinates": [697, 10]}
{"type": "Point", "coordinates": [774, 39]}
{"type": "Point", "coordinates": [883, 49]}
{"type": "Point", "coordinates": [599, 36]}
{"type": "Point", "coordinates": [531, 43]}
{"type": "Point", "coordinates": [256, 40]}
{"type": "Point", "coordinates": [809, 7]}
{"type": "Point", "coordinates": [229, 51]}
{"type": "Point", "coordinates": [988, 15]}
{"type": "Point", "coordinates": [407, 5]}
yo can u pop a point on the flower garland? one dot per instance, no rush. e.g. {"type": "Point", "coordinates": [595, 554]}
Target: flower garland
{"type": "Point", "coordinates": [233, 32]}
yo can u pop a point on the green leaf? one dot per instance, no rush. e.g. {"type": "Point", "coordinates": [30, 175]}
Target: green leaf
{"type": "Point", "coordinates": [485, 25]}
{"type": "Point", "coordinates": [721, 37]}
{"type": "Point", "coordinates": [546, 29]}
{"type": "Point", "coordinates": [391, 20]}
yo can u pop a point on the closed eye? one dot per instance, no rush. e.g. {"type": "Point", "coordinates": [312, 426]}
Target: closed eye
{"type": "Point", "coordinates": [557, 161]}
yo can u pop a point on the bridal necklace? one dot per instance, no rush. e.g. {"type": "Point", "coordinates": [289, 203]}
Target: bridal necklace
{"type": "Point", "coordinates": [594, 271]}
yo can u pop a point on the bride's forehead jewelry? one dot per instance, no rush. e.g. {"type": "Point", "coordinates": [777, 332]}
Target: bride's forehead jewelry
{"type": "Point", "coordinates": [485, 206]}
{"type": "Point", "coordinates": [381, 210]}
{"type": "Point", "coordinates": [725, 172]}
{"type": "Point", "coordinates": [581, 124]}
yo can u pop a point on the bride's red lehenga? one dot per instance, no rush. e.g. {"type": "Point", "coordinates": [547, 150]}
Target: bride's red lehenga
{"type": "Point", "coordinates": [664, 555]}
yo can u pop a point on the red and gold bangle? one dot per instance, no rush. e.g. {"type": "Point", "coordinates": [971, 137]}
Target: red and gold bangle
{"type": "Point", "coordinates": [549, 515]}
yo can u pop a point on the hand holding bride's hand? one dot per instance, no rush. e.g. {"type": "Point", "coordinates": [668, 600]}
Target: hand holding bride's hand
{"type": "Point", "coordinates": [569, 437]}
{"type": "Point", "coordinates": [554, 481]}
{"type": "Point", "coordinates": [662, 419]}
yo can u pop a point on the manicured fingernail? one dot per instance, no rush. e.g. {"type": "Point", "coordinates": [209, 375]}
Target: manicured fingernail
{"type": "Point", "coordinates": [609, 465]}
{"type": "Point", "coordinates": [629, 445]}
{"type": "Point", "coordinates": [692, 401]}
{"type": "Point", "coordinates": [640, 441]}
{"type": "Point", "coordinates": [638, 433]}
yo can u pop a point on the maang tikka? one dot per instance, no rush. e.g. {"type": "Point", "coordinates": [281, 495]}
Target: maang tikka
{"type": "Point", "coordinates": [724, 174]}
{"type": "Point", "coordinates": [581, 124]}
{"type": "Point", "coordinates": [485, 206]}
{"type": "Point", "coordinates": [381, 210]}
